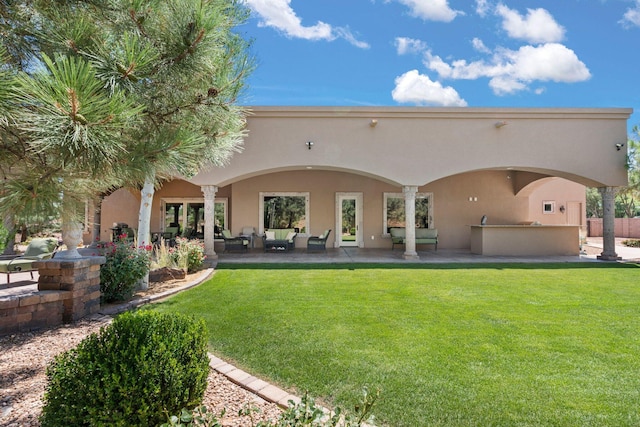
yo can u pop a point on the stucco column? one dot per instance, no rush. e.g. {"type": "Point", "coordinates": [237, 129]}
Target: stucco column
{"type": "Point", "coordinates": [608, 195]}
{"type": "Point", "coordinates": [209, 219]}
{"type": "Point", "coordinates": [410, 221]}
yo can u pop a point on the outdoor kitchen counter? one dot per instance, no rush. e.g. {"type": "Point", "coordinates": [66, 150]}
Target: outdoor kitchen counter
{"type": "Point", "coordinates": [525, 240]}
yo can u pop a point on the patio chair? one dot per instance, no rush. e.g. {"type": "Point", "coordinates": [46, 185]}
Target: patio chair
{"type": "Point", "coordinates": [318, 243]}
{"type": "Point", "coordinates": [37, 250]}
{"type": "Point", "coordinates": [169, 235]}
{"type": "Point", "coordinates": [232, 243]}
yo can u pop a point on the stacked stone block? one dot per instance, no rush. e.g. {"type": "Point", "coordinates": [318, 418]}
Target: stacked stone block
{"type": "Point", "coordinates": [21, 313]}
{"type": "Point", "coordinates": [68, 290]}
{"type": "Point", "coordinates": [80, 278]}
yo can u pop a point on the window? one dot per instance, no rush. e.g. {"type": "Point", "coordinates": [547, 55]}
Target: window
{"type": "Point", "coordinates": [394, 211]}
{"type": "Point", "coordinates": [284, 210]}
{"type": "Point", "coordinates": [188, 215]}
{"type": "Point", "coordinates": [548, 207]}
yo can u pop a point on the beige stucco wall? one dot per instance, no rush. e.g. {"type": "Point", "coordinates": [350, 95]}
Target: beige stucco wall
{"type": "Point", "coordinates": [121, 206]}
{"type": "Point", "coordinates": [415, 146]}
{"type": "Point", "coordinates": [569, 195]}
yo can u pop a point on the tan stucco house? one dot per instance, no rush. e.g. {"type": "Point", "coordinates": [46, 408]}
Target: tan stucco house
{"type": "Point", "coordinates": [361, 170]}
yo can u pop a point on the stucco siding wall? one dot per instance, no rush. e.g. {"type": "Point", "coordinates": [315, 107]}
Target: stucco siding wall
{"type": "Point", "coordinates": [121, 206]}
{"type": "Point", "coordinates": [415, 146]}
{"type": "Point", "coordinates": [563, 193]}
{"type": "Point", "coordinates": [491, 194]}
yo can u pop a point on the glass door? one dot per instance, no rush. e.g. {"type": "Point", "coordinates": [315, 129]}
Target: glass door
{"type": "Point", "coordinates": [349, 215]}
{"type": "Point", "coordinates": [195, 221]}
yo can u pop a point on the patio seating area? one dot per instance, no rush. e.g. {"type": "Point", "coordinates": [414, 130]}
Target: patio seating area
{"type": "Point", "coordinates": [427, 255]}
{"type": "Point", "coordinates": [279, 240]}
{"type": "Point", "coordinates": [382, 256]}
{"type": "Point", "coordinates": [37, 250]}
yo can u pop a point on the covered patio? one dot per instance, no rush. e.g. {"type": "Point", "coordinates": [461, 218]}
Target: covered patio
{"type": "Point", "coordinates": [589, 253]}
{"type": "Point", "coordinates": [362, 170]}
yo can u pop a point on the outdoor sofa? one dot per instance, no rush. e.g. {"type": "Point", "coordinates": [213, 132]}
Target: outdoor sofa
{"type": "Point", "coordinates": [279, 240]}
{"type": "Point", "coordinates": [424, 236]}
{"type": "Point", "coordinates": [39, 249]}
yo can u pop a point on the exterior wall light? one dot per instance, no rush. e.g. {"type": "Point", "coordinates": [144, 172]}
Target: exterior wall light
{"type": "Point", "coordinates": [500, 124]}
{"type": "Point", "coordinates": [373, 123]}
{"type": "Point", "coordinates": [309, 144]}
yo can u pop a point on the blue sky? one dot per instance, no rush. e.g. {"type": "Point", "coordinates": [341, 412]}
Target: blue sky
{"type": "Point", "coordinates": [476, 53]}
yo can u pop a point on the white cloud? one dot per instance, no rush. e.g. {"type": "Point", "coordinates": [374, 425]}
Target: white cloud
{"type": "Point", "coordinates": [479, 45]}
{"type": "Point", "coordinates": [512, 71]}
{"type": "Point", "coordinates": [631, 17]}
{"type": "Point", "coordinates": [415, 88]}
{"type": "Point", "coordinates": [346, 34]}
{"type": "Point", "coordinates": [431, 10]}
{"type": "Point", "coordinates": [482, 7]}
{"type": "Point", "coordinates": [279, 14]}
{"type": "Point", "coordinates": [537, 27]}
{"type": "Point", "coordinates": [405, 45]}
{"type": "Point", "coordinates": [504, 85]}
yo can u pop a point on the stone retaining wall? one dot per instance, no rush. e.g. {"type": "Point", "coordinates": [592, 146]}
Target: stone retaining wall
{"type": "Point", "coordinates": [68, 290]}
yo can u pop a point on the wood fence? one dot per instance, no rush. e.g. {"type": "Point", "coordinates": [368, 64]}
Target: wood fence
{"type": "Point", "coordinates": [624, 227]}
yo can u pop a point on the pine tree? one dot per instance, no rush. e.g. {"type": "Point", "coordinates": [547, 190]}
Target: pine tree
{"type": "Point", "coordinates": [165, 78]}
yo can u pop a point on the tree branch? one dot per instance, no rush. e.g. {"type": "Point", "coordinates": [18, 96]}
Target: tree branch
{"type": "Point", "coordinates": [190, 49]}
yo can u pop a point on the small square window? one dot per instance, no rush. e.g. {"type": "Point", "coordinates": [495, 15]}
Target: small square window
{"type": "Point", "coordinates": [548, 207]}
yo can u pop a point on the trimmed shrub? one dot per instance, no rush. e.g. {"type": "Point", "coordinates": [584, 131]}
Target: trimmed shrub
{"type": "Point", "coordinates": [135, 371]}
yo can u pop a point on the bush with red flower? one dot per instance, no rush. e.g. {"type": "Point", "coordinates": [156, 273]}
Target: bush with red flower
{"type": "Point", "coordinates": [124, 268]}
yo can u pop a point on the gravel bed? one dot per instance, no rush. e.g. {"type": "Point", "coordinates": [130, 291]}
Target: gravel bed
{"type": "Point", "coordinates": [25, 356]}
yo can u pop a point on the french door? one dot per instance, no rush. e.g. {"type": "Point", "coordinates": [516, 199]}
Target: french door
{"type": "Point", "coordinates": [349, 219]}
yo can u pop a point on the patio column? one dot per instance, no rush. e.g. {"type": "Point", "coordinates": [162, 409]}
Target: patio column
{"type": "Point", "coordinates": [209, 219]}
{"type": "Point", "coordinates": [410, 221]}
{"type": "Point", "coordinates": [608, 195]}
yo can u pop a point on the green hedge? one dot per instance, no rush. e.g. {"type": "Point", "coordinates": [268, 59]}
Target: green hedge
{"type": "Point", "coordinates": [135, 371]}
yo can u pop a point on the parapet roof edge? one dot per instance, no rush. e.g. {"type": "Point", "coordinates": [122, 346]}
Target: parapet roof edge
{"type": "Point", "coordinates": [441, 112]}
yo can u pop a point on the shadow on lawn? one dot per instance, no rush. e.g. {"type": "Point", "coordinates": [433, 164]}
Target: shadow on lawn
{"type": "Point", "coordinates": [444, 266]}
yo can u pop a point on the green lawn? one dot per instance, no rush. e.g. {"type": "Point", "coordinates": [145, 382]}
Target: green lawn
{"type": "Point", "coordinates": [447, 345]}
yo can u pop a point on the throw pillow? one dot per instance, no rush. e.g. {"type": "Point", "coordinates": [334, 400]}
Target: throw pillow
{"type": "Point", "coordinates": [270, 235]}
{"type": "Point", "coordinates": [290, 236]}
